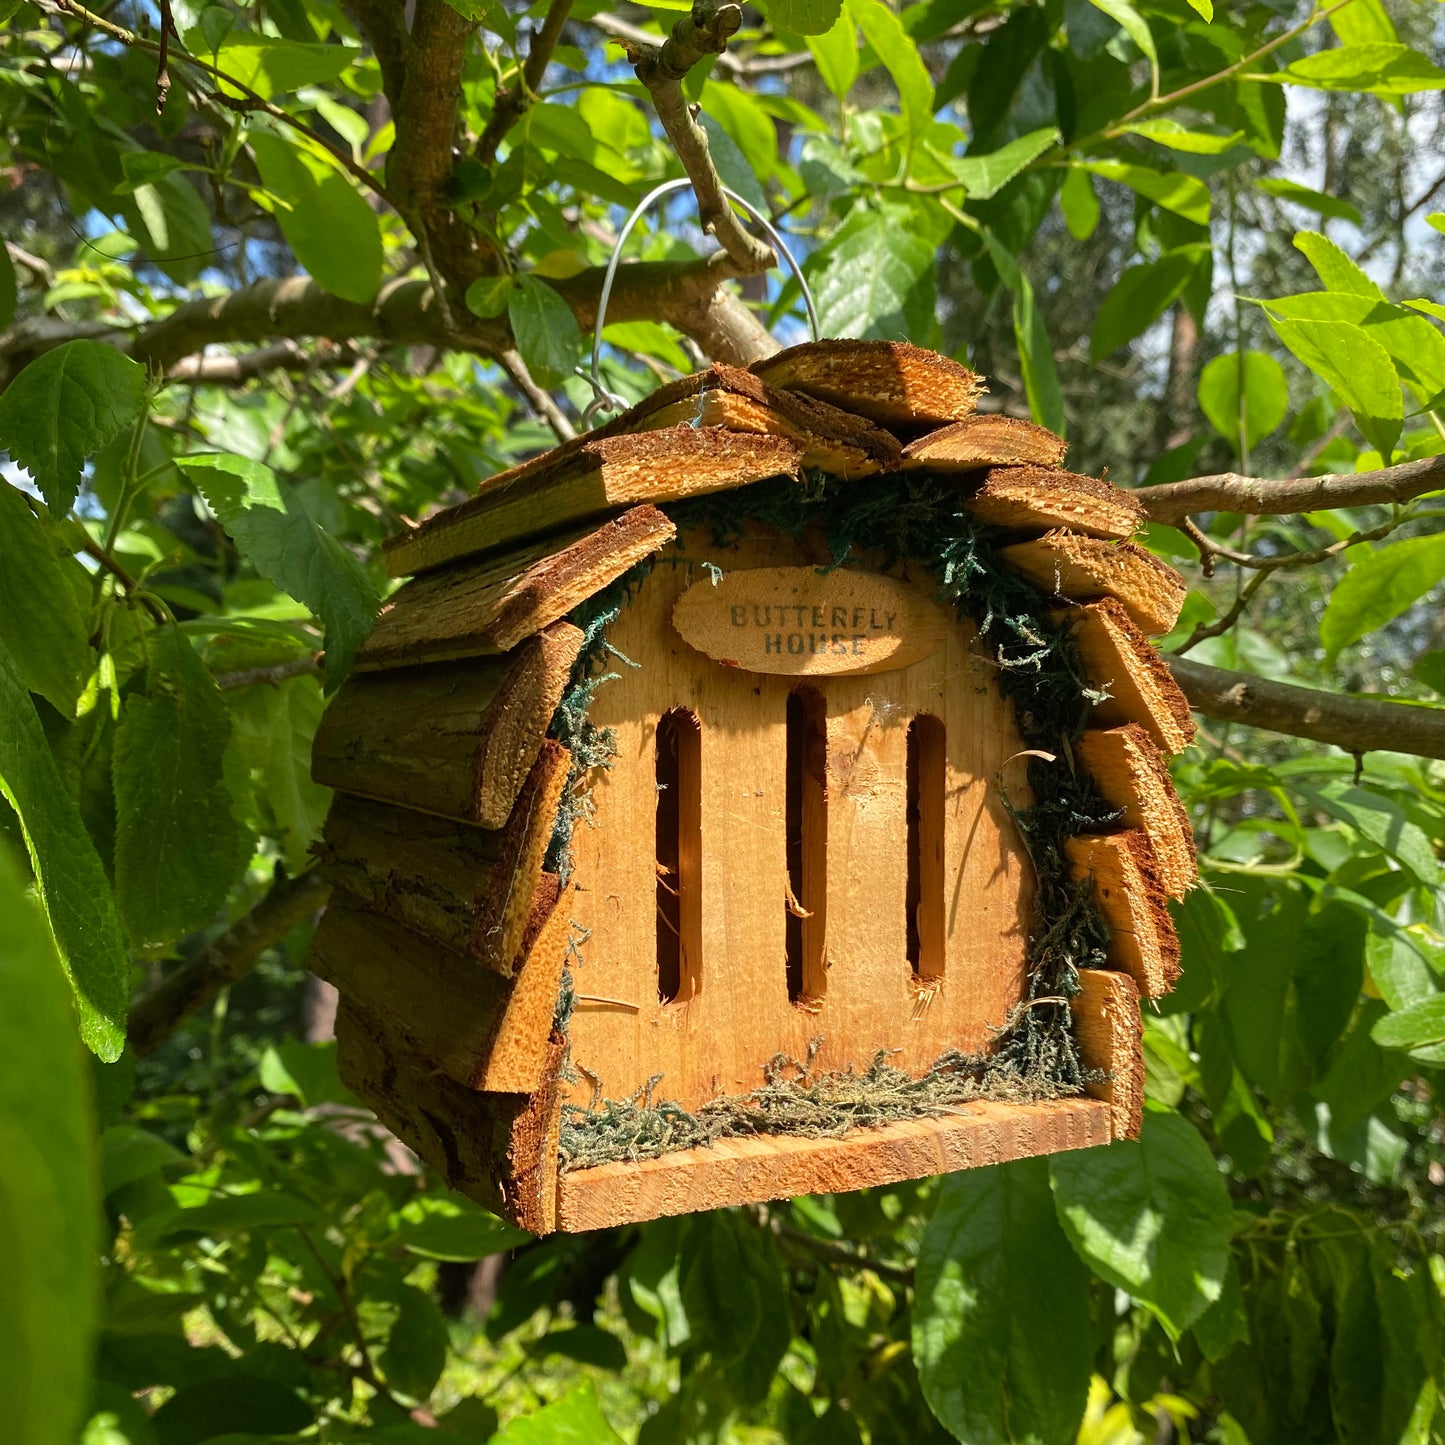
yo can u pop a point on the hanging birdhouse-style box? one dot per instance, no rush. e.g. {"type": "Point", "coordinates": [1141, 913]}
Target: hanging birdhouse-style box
{"type": "Point", "coordinates": [763, 794]}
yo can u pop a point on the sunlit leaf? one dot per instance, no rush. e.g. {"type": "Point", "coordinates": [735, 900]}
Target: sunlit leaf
{"type": "Point", "coordinates": [1379, 586]}
{"type": "Point", "coordinates": [894, 47]}
{"type": "Point", "coordinates": [873, 279]}
{"type": "Point", "coordinates": [986, 175]}
{"type": "Point", "coordinates": [1174, 191]}
{"type": "Point", "coordinates": [1244, 396]}
{"type": "Point", "coordinates": [548, 338]}
{"type": "Point", "coordinates": [804, 17]}
{"type": "Point", "coordinates": [1316, 201]}
{"type": "Point", "coordinates": [64, 407]}
{"type": "Point", "coordinates": [835, 52]}
{"type": "Point", "coordinates": [1376, 68]}
{"type": "Point", "coordinates": [1176, 137]}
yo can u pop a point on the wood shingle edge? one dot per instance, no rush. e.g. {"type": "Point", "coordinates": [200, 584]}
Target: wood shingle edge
{"type": "Point", "coordinates": [575, 482]}
{"type": "Point", "coordinates": [985, 440]}
{"type": "Point", "coordinates": [479, 607]}
{"type": "Point", "coordinates": [454, 738]}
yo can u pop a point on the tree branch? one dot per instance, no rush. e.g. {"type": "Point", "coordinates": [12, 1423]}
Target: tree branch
{"type": "Point", "coordinates": [155, 1016]}
{"type": "Point", "coordinates": [704, 32]}
{"type": "Point", "coordinates": [512, 102]}
{"type": "Point", "coordinates": [541, 401]}
{"type": "Point", "coordinates": [1354, 724]}
{"type": "Point", "coordinates": [1171, 502]}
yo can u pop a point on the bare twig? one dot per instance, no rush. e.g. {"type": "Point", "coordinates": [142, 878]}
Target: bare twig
{"type": "Point", "coordinates": [541, 401]}
{"type": "Point", "coordinates": [620, 29]}
{"type": "Point", "coordinates": [272, 676]}
{"type": "Point", "coordinates": [155, 1016]}
{"type": "Point", "coordinates": [1171, 502]}
{"type": "Point", "coordinates": [704, 32]}
{"type": "Point", "coordinates": [163, 63]}
{"type": "Point", "coordinates": [1353, 724]}
{"type": "Point", "coordinates": [38, 268]}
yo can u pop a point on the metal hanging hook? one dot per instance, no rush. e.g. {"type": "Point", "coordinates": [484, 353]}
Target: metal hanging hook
{"type": "Point", "coordinates": [606, 401]}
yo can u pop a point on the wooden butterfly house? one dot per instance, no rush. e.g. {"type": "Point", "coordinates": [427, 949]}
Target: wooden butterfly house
{"type": "Point", "coordinates": [763, 794]}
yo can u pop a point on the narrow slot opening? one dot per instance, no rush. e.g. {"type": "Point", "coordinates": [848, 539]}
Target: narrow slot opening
{"type": "Point", "coordinates": [927, 782]}
{"type": "Point", "coordinates": [679, 855]}
{"type": "Point", "coordinates": [807, 845]}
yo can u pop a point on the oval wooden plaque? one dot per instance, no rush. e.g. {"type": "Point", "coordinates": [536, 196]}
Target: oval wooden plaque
{"type": "Point", "coordinates": [798, 620]}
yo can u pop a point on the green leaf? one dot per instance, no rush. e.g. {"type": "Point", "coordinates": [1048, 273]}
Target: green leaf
{"type": "Point", "coordinates": [1379, 586]}
{"type": "Point", "coordinates": [1430, 308]}
{"type": "Point", "coordinates": [274, 728]}
{"type": "Point", "coordinates": [1140, 297]}
{"type": "Point", "coordinates": [805, 17]}
{"type": "Point", "coordinates": [1379, 819]}
{"type": "Point", "coordinates": [985, 176]}
{"type": "Point", "coordinates": [305, 1071]}
{"type": "Point", "coordinates": [732, 165]}
{"type": "Point", "coordinates": [1375, 69]}
{"type": "Point", "coordinates": [446, 1227]}
{"type": "Point", "coordinates": [41, 620]}
{"type": "Point", "coordinates": [72, 882]}
{"type": "Point", "coordinates": [49, 1185]}
{"type": "Point", "coordinates": [65, 406]}
{"type": "Point", "coordinates": [719, 1293]}
{"type": "Point", "coordinates": [178, 847]}
{"type": "Point", "coordinates": [750, 127]}
{"type": "Point", "coordinates": [1316, 201]}
{"type": "Point", "coordinates": [545, 329]}
{"type": "Point", "coordinates": [1174, 191]}
{"type": "Point", "coordinates": [242, 1404]}
{"type": "Point", "coordinates": [336, 236]}
{"type": "Point", "coordinates": [1151, 1216]}
{"type": "Point", "coordinates": [271, 66]}
{"type": "Point", "coordinates": [1256, 408]}
{"type": "Point", "coordinates": [575, 1419]}
{"type": "Point", "coordinates": [260, 1211]}
{"type": "Point", "coordinates": [1416, 348]}
{"type": "Point", "coordinates": [1136, 27]}
{"type": "Point", "coordinates": [1079, 204]}
{"type": "Point", "coordinates": [1175, 137]}
{"type": "Point", "coordinates": [1291, 990]}
{"type": "Point", "coordinates": [1001, 1327]}
{"type": "Point", "coordinates": [1361, 22]}
{"type": "Point", "coordinates": [1356, 368]}
{"type": "Point", "coordinates": [283, 544]}
{"type": "Point", "coordinates": [1417, 1029]}
{"type": "Point", "coordinates": [892, 44]}
{"type": "Point", "coordinates": [1036, 353]}
{"type": "Point", "coordinates": [416, 1346]}
{"type": "Point", "coordinates": [128, 1153]}
{"type": "Point", "coordinates": [836, 55]}
{"type": "Point", "coordinates": [489, 295]}
{"type": "Point", "coordinates": [1204, 8]}
{"type": "Point", "coordinates": [1335, 269]}
{"type": "Point", "coordinates": [873, 279]}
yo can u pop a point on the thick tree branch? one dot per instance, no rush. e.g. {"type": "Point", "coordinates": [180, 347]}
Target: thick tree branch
{"type": "Point", "coordinates": [1355, 724]}
{"type": "Point", "coordinates": [704, 32]}
{"type": "Point", "coordinates": [513, 101]}
{"type": "Point", "coordinates": [685, 294]}
{"type": "Point", "coordinates": [155, 1016]}
{"type": "Point", "coordinates": [1171, 502]}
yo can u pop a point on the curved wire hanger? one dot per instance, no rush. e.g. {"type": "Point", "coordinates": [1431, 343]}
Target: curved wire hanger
{"type": "Point", "coordinates": [608, 401]}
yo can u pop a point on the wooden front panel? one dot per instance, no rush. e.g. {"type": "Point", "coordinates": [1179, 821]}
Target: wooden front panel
{"type": "Point", "coordinates": [718, 1035]}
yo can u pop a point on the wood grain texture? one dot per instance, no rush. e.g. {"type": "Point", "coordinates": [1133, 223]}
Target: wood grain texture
{"type": "Point", "coordinates": [835, 441]}
{"type": "Point", "coordinates": [891, 382]}
{"type": "Point", "coordinates": [468, 888]}
{"type": "Point", "coordinates": [499, 1149]}
{"type": "Point", "coordinates": [479, 1029]}
{"type": "Point", "coordinates": [1077, 568]}
{"type": "Point", "coordinates": [1035, 499]}
{"type": "Point", "coordinates": [454, 738]}
{"type": "Point", "coordinates": [1141, 688]}
{"type": "Point", "coordinates": [1131, 774]}
{"type": "Point", "coordinates": [719, 1039]}
{"type": "Point", "coordinates": [1111, 1039]}
{"type": "Point", "coordinates": [985, 440]}
{"type": "Point", "coordinates": [574, 482]}
{"type": "Point", "coordinates": [752, 1171]}
{"type": "Point", "coordinates": [1130, 896]}
{"type": "Point", "coordinates": [478, 608]}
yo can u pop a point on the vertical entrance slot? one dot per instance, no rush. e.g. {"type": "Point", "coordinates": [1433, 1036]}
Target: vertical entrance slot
{"type": "Point", "coordinates": [927, 783]}
{"type": "Point", "coordinates": [807, 845]}
{"type": "Point", "coordinates": [679, 856]}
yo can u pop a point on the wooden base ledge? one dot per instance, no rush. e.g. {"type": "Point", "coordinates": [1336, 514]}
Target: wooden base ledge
{"type": "Point", "coordinates": [751, 1171]}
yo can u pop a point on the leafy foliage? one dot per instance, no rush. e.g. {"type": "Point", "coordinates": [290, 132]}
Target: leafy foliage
{"type": "Point", "coordinates": [1198, 241]}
